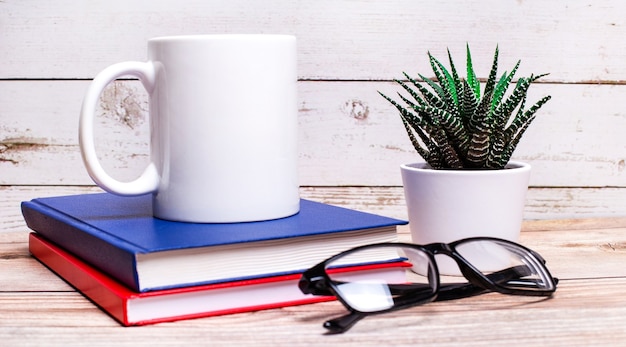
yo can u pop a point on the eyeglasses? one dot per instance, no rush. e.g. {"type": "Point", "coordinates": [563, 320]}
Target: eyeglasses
{"type": "Point", "coordinates": [401, 275]}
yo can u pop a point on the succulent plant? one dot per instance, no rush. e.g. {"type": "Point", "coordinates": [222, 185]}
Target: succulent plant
{"type": "Point", "coordinates": [452, 127]}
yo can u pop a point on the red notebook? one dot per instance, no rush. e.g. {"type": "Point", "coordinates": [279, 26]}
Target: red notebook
{"type": "Point", "coordinates": [133, 308]}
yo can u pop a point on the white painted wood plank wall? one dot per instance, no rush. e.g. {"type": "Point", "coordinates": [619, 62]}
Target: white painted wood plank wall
{"type": "Point", "coordinates": [348, 50]}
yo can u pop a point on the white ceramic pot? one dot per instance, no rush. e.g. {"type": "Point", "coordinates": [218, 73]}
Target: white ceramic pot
{"type": "Point", "coordinates": [448, 205]}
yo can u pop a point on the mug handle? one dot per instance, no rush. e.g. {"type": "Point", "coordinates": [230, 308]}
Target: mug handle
{"type": "Point", "coordinates": [148, 182]}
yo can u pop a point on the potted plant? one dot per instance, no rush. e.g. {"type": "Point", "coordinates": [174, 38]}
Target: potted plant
{"type": "Point", "coordinates": [468, 185]}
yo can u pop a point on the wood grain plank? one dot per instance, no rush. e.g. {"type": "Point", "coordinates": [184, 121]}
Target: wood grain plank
{"type": "Point", "coordinates": [576, 316]}
{"type": "Point", "coordinates": [349, 135]}
{"type": "Point", "coordinates": [354, 40]}
{"type": "Point", "coordinates": [541, 203]}
{"type": "Point", "coordinates": [578, 204]}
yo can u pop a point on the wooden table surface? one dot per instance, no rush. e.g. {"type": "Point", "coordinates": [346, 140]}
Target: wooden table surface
{"type": "Point", "coordinates": [589, 307]}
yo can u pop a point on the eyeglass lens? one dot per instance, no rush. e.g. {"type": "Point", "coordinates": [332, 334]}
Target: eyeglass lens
{"type": "Point", "coordinates": [413, 279]}
{"type": "Point", "coordinates": [525, 269]}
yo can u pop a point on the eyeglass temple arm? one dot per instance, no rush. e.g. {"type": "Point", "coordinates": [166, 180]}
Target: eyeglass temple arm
{"type": "Point", "coordinates": [344, 323]}
{"type": "Point", "coordinates": [458, 290]}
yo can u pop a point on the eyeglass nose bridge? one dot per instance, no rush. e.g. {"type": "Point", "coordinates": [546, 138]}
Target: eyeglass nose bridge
{"type": "Point", "coordinates": [466, 268]}
{"type": "Point", "coordinates": [440, 248]}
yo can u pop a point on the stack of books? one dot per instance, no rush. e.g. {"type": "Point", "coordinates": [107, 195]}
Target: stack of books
{"type": "Point", "coordinates": [143, 270]}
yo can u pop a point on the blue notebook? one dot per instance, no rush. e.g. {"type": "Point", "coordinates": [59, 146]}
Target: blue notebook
{"type": "Point", "coordinates": [119, 236]}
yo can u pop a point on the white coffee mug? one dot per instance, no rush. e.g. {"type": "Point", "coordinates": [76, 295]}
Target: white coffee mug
{"type": "Point", "coordinates": [223, 116]}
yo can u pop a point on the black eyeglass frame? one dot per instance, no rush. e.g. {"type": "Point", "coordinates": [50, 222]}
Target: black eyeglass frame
{"type": "Point", "coordinates": [316, 280]}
